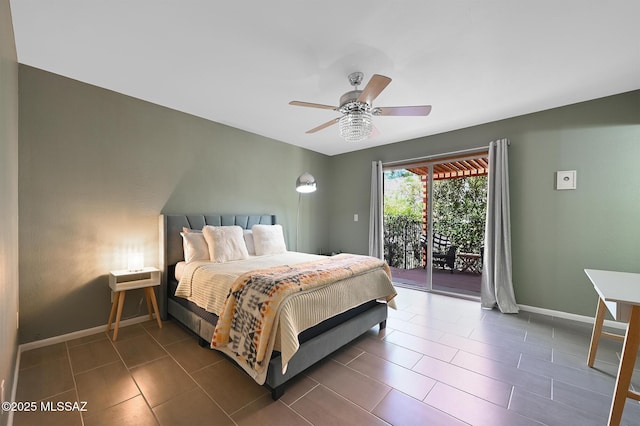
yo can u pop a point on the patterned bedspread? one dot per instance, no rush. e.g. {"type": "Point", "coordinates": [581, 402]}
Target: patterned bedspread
{"type": "Point", "coordinates": [252, 308]}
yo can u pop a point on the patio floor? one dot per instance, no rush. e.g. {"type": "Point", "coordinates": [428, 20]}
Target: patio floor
{"type": "Point", "coordinates": [466, 283]}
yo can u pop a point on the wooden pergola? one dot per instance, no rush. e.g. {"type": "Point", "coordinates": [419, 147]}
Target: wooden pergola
{"type": "Point", "coordinates": [454, 169]}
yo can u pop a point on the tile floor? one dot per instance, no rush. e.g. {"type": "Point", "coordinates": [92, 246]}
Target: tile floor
{"type": "Point", "coordinates": [441, 361]}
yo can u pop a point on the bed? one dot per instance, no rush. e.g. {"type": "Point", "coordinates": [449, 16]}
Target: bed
{"type": "Point", "coordinates": [329, 332]}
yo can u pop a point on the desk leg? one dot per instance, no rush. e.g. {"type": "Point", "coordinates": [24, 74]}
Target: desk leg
{"type": "Point", "coordinates": [155, 305]}
{"type": "Point", "coordinates": [629, 353]}
{"type": "Point", "coordinates": [114, 305]}
{"type": "Point", "coordinates": [146, 294]}
{"type": "Point", "coordinates": [597, 332]}
{"type": "Point", "coordinates": [119, 315]}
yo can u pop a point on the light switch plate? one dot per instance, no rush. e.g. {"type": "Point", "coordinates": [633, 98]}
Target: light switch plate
{"type": "Point", "coordinates": [566, 179]}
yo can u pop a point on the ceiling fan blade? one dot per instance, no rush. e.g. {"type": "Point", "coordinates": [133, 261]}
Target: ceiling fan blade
{"type": "Point", "coordinates": [373, 88]}
{"type": "Point", "coordinates": [324, 126]}
{"type": "Point", "coordinates": [405, 110]}
{"type": "Point", "coordinates": [312, 105]}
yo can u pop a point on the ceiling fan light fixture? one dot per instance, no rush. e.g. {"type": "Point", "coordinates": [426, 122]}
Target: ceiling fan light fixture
{"type": "Point", "coordinates": [356, 126]}
{"type": "Point", "coordinates": [357, 108]}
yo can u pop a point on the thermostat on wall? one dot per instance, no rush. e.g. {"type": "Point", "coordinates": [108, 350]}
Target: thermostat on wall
{"type": "Point", "coordinates": [566, 179]}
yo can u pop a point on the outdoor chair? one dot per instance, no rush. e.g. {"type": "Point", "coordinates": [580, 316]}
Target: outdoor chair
{"type": "Point", "coordinates": [444, 253]}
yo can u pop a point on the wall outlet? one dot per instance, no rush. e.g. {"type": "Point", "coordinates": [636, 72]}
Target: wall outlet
{"type": "Point", "coordinates": [355, 217]}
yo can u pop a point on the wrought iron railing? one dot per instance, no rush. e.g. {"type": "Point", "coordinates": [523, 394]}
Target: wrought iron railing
{"type": "Point", "coordinates": [402, 248]}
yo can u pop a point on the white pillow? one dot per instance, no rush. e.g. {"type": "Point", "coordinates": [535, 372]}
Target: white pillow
{"type": "Point", "coordinates": [195, 247]}
{"type": "Point", "coordinates": [226, 243]}
{"type": "Point", "coordinates": [248, 240]}
{"type": "Point", "coordinates": [268, 239]}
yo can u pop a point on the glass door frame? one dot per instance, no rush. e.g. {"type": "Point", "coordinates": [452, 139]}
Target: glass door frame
{"type": "Point", "coordinates": [430, 162]}
{"type": "Point", "coordinates": [429, 248]}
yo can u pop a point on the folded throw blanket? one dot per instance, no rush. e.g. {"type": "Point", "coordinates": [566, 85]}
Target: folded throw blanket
{"type": "Point", "coordinates": [251, 308]}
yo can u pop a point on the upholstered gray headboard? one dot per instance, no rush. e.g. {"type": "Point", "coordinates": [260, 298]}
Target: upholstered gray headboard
{"type": "Point", "coordinates": [171, 242]}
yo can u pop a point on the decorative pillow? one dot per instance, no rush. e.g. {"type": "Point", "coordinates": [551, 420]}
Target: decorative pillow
{"type": "Point", "coordinates": [194, 246]}
{"type": "Point", "coordinates": [248, 240]}
{"type": "Point", "coordinates": [226, 243]}
{"type": "Point", "coordinates": [268, 239]}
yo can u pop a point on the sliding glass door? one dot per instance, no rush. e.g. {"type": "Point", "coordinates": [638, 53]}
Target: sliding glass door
{"type": "Point", "coordinates": [434, 223]}
{"type": "Point", "coordinates": [403, 226]}
{"type": "Point", "coordinates": [459, 212]}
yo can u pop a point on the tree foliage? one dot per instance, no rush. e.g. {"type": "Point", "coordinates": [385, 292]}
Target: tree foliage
{"type": "Point", "coordinates": [403, 194]}
{"type": "Point", "coordinates": [459, 211]}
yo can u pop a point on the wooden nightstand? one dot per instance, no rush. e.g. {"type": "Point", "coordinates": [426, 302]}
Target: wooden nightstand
{"type": "Point", "coordinates": [123, 280]}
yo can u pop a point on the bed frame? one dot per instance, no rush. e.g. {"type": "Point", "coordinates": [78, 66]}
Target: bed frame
{"type": "Point", "coordinates": [322, 339]}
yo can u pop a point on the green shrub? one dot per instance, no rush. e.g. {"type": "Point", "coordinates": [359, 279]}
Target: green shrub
{"type": "Point", "coordinates": [459, 211]}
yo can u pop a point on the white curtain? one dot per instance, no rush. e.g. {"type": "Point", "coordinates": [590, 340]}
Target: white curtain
{"type": "Point", "coordinates": [497, 285]}
{"type": "Point", "coordinates": [376, 231]}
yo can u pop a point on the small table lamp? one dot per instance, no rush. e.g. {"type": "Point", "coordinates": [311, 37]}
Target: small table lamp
{"type": "Point", "coordinates": [135, 261]}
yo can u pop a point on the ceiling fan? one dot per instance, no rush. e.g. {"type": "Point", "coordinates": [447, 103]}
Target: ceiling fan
{"type": "Point", "coordinates": [357, 111]}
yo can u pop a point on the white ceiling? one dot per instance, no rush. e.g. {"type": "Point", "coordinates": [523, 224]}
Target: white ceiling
{"type": "Point", "coordinates": [240, 63]}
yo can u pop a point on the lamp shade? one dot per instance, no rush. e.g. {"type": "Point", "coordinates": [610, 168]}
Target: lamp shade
{"type": "Point", "coordinates": [135, 261]}
{"type": "Point", "coordinates": [306, 183]}
{"type": "Point", "coordinates": [356, 126]}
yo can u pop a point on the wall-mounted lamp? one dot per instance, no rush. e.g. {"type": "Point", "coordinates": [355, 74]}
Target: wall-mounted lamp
{"type": "Point", "coordinates": [305, 184]}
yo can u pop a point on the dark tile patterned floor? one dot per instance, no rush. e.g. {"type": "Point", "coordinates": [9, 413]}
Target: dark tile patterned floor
{"type": "Point", "coordinates": [441, 361]}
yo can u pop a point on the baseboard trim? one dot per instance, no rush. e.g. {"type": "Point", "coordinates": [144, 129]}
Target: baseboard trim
{"type": "Point", "coordinates": [77, 334]}
{"type": "Point", "coordinates": [574, 317]}
{"type": "Point", "coordinates": [14, 388]}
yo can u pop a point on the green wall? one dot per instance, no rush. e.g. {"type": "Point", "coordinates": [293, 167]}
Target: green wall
{"type": "Point", "coordinates": [96, 170]}
{"type": "Point", "coordinates": [555, 234]}
{"type": "Point", "coordinates": [8, 203]}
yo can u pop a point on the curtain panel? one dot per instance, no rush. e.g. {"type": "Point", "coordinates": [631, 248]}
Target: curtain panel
{"type": "Point", "coordinates": [376, 231]}
{"type": "Point", "coordinates": [497, 285]}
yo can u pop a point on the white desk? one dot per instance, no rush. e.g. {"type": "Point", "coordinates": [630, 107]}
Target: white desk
{"type": "Point", "coordinates": [620, 293]}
